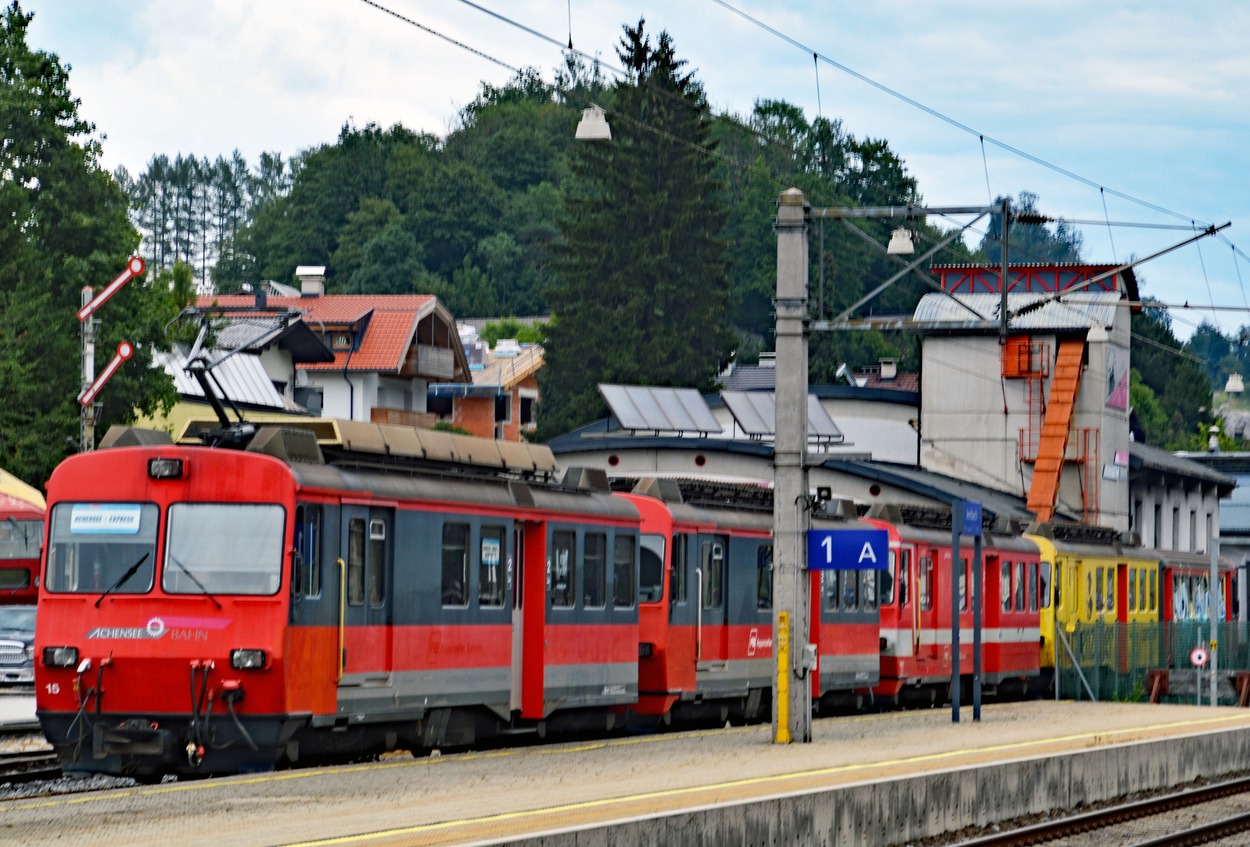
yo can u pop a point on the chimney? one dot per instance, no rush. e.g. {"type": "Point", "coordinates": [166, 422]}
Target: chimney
{"type": "Point", "coordinates": [889, 369]}
{"type": "Point", "coordinates": [312, 280]}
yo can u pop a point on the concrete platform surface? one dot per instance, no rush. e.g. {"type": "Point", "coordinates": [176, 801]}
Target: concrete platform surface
{"type": "Point", "coordinates": [16, 706]}
{"type": "Point", "coordinates": [698, 782]}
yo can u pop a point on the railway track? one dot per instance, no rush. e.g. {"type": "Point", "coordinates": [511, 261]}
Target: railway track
{"type": "Point", "coordinates": [1220, 818]}
{"type": "Point", "coordinates": [28, 766]}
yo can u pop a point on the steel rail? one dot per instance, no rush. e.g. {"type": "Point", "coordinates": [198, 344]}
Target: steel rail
{"type": "Point", "coordinates": [1052, 830]}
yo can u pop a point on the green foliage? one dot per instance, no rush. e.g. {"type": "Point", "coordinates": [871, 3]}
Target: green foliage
{"type": "Point", "coordinates": [1030, 242]}
{"type": "Point", "coordinates": [72, 231]}
{"type": "Point", "coordinates": [643, 294]}
{"type": "Point", "coordinates": [512, 328]}
{"type": "Point", "coordinates": [1178, 383]}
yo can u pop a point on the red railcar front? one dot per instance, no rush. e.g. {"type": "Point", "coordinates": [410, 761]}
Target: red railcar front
{"type": "Point", "coordinates": [162, 612]}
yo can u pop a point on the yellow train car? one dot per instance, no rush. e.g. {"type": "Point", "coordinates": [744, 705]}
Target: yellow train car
{"type": "Point", "coordinates": [1088, 588]}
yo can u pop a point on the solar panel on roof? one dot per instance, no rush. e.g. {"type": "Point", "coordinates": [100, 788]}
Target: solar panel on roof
{"type": "Point", "coordinates": [659, 409]}
{"type": "Point", "coordinates": [756, 415]}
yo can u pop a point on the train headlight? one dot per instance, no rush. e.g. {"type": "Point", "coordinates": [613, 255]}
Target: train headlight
{"type": "Point", "coordinates": [166, 469]}
{"type": "Point", "coordinates": [247, 660]}
{"type": "Point", "coordinates": [60, 657]}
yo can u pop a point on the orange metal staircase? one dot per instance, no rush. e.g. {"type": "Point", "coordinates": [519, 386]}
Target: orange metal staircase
{"type": "Point", "coordinates": [1053, 444]}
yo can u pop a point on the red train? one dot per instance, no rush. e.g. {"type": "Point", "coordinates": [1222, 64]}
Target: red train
{"type": "Point", "coordinates": [206, 610]}
{"type": "Point", "coordinates": [916, 649]}
{"type": "Point", "coordinates": [21, 533]}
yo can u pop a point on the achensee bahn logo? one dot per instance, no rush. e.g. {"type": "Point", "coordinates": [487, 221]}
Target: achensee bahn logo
{"type": "Point", "coordinates": [154, 630]}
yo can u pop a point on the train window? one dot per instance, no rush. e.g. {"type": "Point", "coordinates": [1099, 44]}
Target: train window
{"type": "Point", "coordinates": [377, 561]}
{"type": "Point", "coordinates": [1044, 584]}
{"type": "Point", "coordinates": [20, 539]}
{"type": "Point", "coordinates": [1089, 594]}
{"type": "Point", "coordinates": [308, 548]}
{"type": "Point", "coordinates": [1020, 587]}
{"type": "Point", "coordinates": [963, 585]}
{"type": "Point", "coordinates": [624, 580]}
{"type": "Point", "coordinates": [1109, 573]}
{"type": "Point", "coordinates": [1151, 585]}
{"type": "Point", "coordinates": [764, 577]}
{"type": "Point", "coordinates": [1180, 598]}
{"type": "Point", "coordinates": [1004, 585]}
{"type": "Point", "coordinates": [224, 548]}
{"type": "Point", "coordinates": [455, 565]}
{"type": "Point", "coordinates": [680, 569]}
{"type": "Point", "coordinates": [1032, 586]}
{"type": "Point", "coordinates": [888, 579]}
{"type": "Point", "coordinates": [563, 578]}
{"type": "Point", "coordinates": [926, 582]}
{"type": "Point", "coordinates": [904, 578]}
{"type": "Point", "coordinates": [829, 584]}
{"type": "Point", "coordinates": [490, 574]}
{"type": "Point", "coordinates": [594, 570]}
{"type": "Point", "coordinates": [651, 569]}
{"type": "Point", "coordinates": [850, 591]}
{"type": "Point", "coordinates": [356, 562]}
{"type": "Point", "coordinates": [868, 588]}
{"type": "Point", "coordinates": [713, 560]}
{"type": "Point", "coordinates": [1133, 574]}
{"type": "Point", "coordinates": [13, 579]}
{"type": "Point", "coordinates": [98, 547]}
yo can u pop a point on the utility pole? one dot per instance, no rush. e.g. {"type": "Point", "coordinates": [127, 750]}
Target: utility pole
{"type": "Point", "coordinates": [792, 707]}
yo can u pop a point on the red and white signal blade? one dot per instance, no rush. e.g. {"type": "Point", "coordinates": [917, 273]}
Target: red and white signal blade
{"type": "Point", "coordinates": [124, 351]}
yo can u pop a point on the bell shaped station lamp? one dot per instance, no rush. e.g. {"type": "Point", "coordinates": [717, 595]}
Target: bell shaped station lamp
{"type": "Point", "coordinates": [901, 243]}
{"type": "Point", "coordinates": [594, 125]}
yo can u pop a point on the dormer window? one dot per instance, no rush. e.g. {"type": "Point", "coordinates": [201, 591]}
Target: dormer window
{"type": "Point", "coordinates": [340, 341]}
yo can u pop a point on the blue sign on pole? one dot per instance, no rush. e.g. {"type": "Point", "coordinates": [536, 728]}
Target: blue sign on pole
{"type": "Point", "coordinates": [972, 518]}
{"type": "Point", "coordinates": [848, 549]}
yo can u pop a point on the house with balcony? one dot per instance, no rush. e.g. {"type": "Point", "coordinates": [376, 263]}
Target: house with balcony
{"type": "Point", "coordinates": [386, 349]}
{"type": "Point", "coordinates": [501, 398]}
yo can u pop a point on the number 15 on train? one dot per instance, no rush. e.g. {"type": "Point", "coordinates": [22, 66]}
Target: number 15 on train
{"type": "Point", "coordinates": [848, 549]}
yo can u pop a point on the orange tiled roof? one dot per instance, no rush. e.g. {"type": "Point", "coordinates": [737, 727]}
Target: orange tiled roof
{"type": "Point", "coordinates": [392, 322]}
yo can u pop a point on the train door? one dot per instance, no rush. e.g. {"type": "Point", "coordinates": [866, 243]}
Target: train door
{"type": "Point", "coordinates": [712, 646]}
{"type": "Point", "coordinates": [366, 611]}
{"type": "Point", "coordinates": [925, 612]}
{"type": "Point", "coordinates": [516, 590]}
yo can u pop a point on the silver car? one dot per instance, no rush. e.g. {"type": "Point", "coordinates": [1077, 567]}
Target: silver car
{"type": "Point", "coordinates": [17, 645]}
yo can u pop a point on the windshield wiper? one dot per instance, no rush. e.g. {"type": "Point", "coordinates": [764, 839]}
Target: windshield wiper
{"type": "Point", "coordinates": [127, 575]}
{"type": "Point", "coordinates": [203, 590]}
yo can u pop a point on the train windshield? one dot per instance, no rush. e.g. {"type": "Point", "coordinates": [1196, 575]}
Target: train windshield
{"type": "Point", "coordinates": [651, 569]}
{"type": "Point", "coordinates": [223, 548]}
{"type": "Point", "coordinates": [102, 547]}
{"type": "Point", "coordinates": [20, 539]}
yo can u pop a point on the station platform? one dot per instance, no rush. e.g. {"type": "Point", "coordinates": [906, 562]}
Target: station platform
{"type": "Point", "coordinates": [17, 709]}
{"type": "Point", "coordinates": [874, 780]}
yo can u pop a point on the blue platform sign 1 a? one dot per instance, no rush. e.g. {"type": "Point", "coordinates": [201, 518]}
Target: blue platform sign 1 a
{"type": "Point", "coordinates": [972, 518]}
{"type": "Point", "coordinates": [848, 549]}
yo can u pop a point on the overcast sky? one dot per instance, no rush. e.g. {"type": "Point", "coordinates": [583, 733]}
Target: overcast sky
{"type": "Point", "coordinates": [1084, 104]}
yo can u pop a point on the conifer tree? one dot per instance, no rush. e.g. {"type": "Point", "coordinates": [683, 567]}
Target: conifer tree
{"type": "Point", "coordinates": [64, 226]}
{"type": "Point", "coordinates": [643, 295]}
